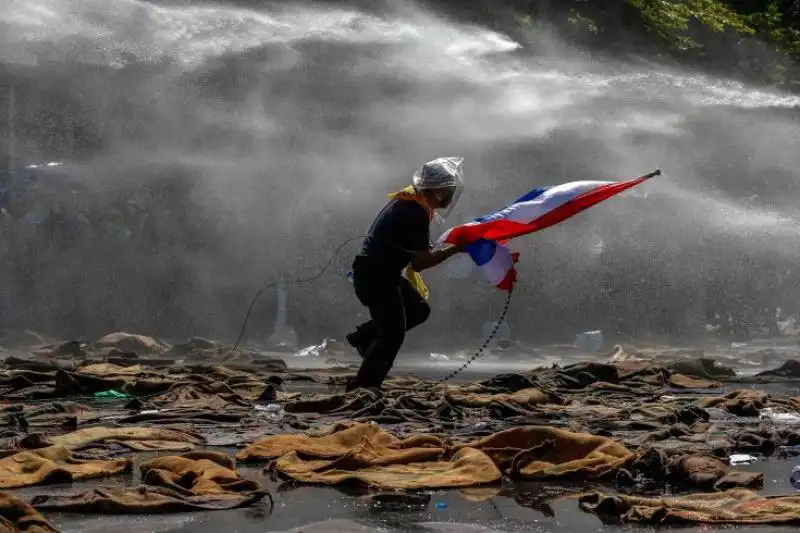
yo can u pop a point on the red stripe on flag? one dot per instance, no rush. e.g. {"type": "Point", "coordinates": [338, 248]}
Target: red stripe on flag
{"type": "Point", "coordinates": [511, 276]}
{"type": "Point", "coordinates": [565, 211]}
{"type": "Point", "coordinates": [503, 229]}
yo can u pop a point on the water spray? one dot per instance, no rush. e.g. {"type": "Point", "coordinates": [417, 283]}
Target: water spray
{"type": "Point", "coordinates": [301, 281]}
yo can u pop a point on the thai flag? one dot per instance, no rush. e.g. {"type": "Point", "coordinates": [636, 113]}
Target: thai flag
{"type": "Point", "coordinates": [537, 210]}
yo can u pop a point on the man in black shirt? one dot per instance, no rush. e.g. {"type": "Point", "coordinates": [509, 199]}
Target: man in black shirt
{"type": "Point", "coordinates": [399, 238]}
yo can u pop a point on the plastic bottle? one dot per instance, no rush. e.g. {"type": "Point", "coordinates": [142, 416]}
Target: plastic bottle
{"type": "Point", "coordinates": [795, 477]}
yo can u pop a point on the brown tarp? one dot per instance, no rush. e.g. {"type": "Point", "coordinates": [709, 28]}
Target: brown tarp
{"type": "Point", "coordinates": [190, 482]}
{"type": "Point", "coordinates": [739, 506]}
{"type": "Point", "coordinates": [55, 464]}
{"type": "Point", "coordinates": [17, 516]}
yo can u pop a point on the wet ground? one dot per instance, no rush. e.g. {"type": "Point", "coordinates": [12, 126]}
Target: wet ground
{"type": "Point", "coordinates": [514, 508]}
{"type": "Point", "coordinates": [328, 510]}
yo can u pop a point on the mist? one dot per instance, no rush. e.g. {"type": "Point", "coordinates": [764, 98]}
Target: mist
{"type": "Point", "coordinates": [210, 148]}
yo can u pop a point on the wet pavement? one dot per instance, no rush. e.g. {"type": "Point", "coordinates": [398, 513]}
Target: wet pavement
{"type": "Point", "coordinates": [519, 507]}
{"type": "Point", "coordinates": [329, 510]}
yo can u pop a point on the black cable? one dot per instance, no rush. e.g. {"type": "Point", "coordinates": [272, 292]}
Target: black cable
{"type": "Point", "coordinates": [483, 346]}
{"type": "Point", "coordinates": [269, 285]}
{"type": "Point", "coordinates": [322, 271]}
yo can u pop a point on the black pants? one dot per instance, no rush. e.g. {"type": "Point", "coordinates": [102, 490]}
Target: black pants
{"type": "Point", "coordinates": [395, 307]}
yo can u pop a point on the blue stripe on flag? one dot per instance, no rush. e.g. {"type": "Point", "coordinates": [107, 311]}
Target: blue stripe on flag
{"type": "Point", "coordinates": [527, 198]}
{"type": "Point", "coordinates": [482, 251]}
{"type": "Point", "coordinates": [533, 194]}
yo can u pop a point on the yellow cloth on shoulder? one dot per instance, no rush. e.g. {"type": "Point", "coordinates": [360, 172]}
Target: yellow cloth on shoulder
{"type": "Point", "coordinates": [409, 193]}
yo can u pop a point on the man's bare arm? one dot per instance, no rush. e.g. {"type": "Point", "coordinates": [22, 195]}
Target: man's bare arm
{"type": "Point", "coordinates": [428, 259]}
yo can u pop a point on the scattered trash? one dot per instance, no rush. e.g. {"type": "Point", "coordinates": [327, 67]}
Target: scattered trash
{"type": "Point", "coordinates": [112, 394]}
{"type": "Point", "coordinates": [400, 501]}
{"type": "Point", "coordinates": [619, 354]}
{"type": "Point", "coordinates": [782, 418]}
{"type": "Point", "coordinates": [441, 505]}
{"type": "Point", "coordinates": [272, 410]}
{"type": "Point", "coordinates": [741, 459]}
{"type": "Point", "coordinates": [589, 341]}
{"type": "Point", "coordinates": [440, 357]}
{"type": "Point", "coordinates": [327, 347]}
{"type": "Point", "coordinates": [795, 477]}
{"type": "Point", "coordinates": [788, 326]}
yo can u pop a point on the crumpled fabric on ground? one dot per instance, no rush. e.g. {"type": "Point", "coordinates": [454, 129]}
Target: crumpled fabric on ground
{"type": "Point", "coordinates": [141, 439]}
{"type": "Point", "coordinates": [186, 416]}
{"type": "Point", "coordinates": [343, 438]}
{"type": "Point", "coordinates": [332, 403]}
{"type": "Point", "coordinates": [121, 340]}
{"type": "Point", "coordinates": [520, 399]}
{"type": "Point", "coordinates": [629, 374]}
{"type": "Point", "coordinates": [190, 482]}
{"type": "Point", "coordinates": [789, 369]}
{"type": "Point", "coordinates": [393, 406]}
{"type": "Point", "coordinates": [370, 455]}
{"type": "Point", "coordinates": [542, 452]}
{"type": "Point", "coordinates": [210, 396]}
{"type": "Point", "coordinates": [77, 384]}
{"type": "Point", "coordinates": [109, 370]}
{"type": "Point", "coordinates": [524, 453]}
{"type": "Point", "coordinates": [12, 380]}
{"type": "Point", "coordinates": [649, 372]}
{"type": "Point", "coordinates": [49, 415]}
{"type": "Point", "coordinates": [383, 468]}
{"type": "Point", "coordinates": [737, 506]}
{"type": "Point", "coordinates": [702, 367]}
{"type": "Point", "coordinates": [702, 471]}
{"type": "Point", "coordinates": [35, 365]}
{"type": "Point", "coordinates": [17, 516]}
{"type": "Point", "coordinates": [749, 402]}
{"type": "Point", "coordinates": [55, 464]}
{"type": "Point", "coordinates": [684, 470]}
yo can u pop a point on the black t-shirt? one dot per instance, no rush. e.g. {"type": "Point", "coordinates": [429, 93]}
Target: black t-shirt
{"type": "Point", "coordinates": [399, 230]}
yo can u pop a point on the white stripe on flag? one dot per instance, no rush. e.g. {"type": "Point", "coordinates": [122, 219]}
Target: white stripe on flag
{"type": "Point", "coordinates": [553, 198]}
{"type": "Point", "coordinates": [498, 266]}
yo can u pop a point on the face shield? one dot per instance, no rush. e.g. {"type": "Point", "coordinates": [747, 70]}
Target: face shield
{"type": "Point", "coordinates": [444, 177]}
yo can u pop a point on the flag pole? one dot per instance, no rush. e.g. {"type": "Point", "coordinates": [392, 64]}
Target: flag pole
{"type": "Point", "coordinates": [653, 174]}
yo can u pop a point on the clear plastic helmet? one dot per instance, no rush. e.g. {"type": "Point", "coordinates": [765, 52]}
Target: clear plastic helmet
{"type": "Point", "coordinates": [445, 174]}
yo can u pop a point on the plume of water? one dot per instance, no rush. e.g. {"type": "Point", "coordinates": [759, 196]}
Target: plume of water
{"type": "Point", "coordinates": [258, 138]}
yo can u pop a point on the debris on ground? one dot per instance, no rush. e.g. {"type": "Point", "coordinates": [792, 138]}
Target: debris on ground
{"type": "Point", "coordinates": [631, 423]}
